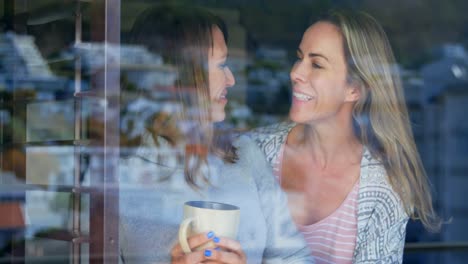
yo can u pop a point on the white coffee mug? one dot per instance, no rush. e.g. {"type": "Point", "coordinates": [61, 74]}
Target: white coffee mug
{"type": "Point", "coordinates": [204, 216]}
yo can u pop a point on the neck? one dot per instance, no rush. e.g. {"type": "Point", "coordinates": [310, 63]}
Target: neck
{"type": "Point", "coordinates": [327, 142]}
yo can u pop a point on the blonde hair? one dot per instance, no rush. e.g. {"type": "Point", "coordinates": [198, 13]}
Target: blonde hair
{"type": "Point", "coordinates": [380, 116]}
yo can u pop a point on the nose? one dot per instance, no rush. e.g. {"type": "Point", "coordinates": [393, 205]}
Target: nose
{"type": "Point", "coordinates": [297, 74]}
{"type": "Point", "coordinates": [230, 80]}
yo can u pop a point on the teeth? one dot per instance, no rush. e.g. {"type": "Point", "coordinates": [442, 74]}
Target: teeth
{"type": "Point", "coordinates": [223, 94]}
{"type": "Point", "coordinates": [302, 97]}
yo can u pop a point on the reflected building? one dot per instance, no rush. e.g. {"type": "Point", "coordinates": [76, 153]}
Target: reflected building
{"type": "Point", "coordinates": [23, 67]}
{"type": "Point", "coordinates": [274, 55]}
{"type": "Point", "coordinates": [269, 81]}
{"type": "Point", "coordinates": [436, 97]}
{"type": "Point", "coordinates": [147, 83]}
{"type": "Point", "coordinates": [445, 148]}
{"type": "Point", "coordinates": [450, 67]}
{"type": "Point", "coordinates": [414, 88]}
{"type": "Point", "coordinates": [141, 67]}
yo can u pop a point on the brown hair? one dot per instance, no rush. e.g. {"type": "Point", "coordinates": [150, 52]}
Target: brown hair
{"type": "Point", "coordinates": [183, 36]}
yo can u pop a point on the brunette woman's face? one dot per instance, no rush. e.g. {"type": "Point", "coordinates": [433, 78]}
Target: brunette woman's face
{"type": "Point", "coordinates": [220, 76]}
{"type": "Point", "coordinates": [319, 77]}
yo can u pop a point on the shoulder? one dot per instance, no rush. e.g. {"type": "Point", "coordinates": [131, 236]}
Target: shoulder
{"type": "Point", "coordinates": [247, 150]}
{"type": "Point", "coordinates": [271, 138]}
{"type": "Point", "coordinates": [252, 161]}
{"type": "Point", "coordinates": [268, 132]}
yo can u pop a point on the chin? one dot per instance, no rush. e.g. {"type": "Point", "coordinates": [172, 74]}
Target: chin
{"type": "Point", "coordinates": [297, 118]}
{"type": "Point", "coordinates": [218, 117]}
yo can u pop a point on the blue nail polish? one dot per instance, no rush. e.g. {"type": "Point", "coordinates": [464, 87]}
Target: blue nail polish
{"type": "Point", "coordinates": [207, 253]}
{"type": "Point", "coordinates": [210, 234]}
{"type": "Point", "coordinates": [217, 248]}
{"type": "Point", "coordinates": [216, 239]}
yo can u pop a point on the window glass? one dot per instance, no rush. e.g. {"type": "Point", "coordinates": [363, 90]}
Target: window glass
{"type": "Point", "coordinates": [81, 97]}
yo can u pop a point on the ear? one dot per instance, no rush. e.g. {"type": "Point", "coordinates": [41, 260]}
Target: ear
{"type": "Point", "coordinates": [353, 92]}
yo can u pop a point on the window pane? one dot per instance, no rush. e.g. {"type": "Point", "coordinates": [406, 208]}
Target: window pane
{"type": "Point", "coordinates": [80, 97]}
{"type": "Point", "coordinates": [53, 114]}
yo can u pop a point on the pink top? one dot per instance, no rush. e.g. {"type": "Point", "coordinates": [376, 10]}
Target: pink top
{"type": "Point", "coordinates": [332, 239]}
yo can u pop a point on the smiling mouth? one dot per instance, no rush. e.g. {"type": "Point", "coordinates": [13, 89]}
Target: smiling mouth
{"type": "Point", "coordinates": [302, 97]}
{"type": "Point", "coordinates": [223, 95]}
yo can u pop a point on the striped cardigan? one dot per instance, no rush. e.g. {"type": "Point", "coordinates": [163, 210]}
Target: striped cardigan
{"type": "Point", "coordinates": [381, 217]}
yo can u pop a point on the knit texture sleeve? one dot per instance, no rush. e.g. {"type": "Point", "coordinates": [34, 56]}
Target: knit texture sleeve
{"type": "Point", "coordinates": [381, 217]}
{"type": "Point", "coordinates": [386, 246]}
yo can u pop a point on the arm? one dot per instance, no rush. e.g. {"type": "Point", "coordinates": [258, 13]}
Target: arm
{"type": "Point", "coordinates": [284, 243]}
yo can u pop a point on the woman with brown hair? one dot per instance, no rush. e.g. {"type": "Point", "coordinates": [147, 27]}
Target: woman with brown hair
{"type": "Point", "coordinates": [194, 42]}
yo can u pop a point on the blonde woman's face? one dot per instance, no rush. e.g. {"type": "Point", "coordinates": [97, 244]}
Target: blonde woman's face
{"type": "Point", "coordinates": [220, 76]}
{"type": "Point", "coordinates": [319, 86]}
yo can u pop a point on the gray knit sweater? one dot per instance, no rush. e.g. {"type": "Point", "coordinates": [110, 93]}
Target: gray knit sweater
{"type": "Point", "coordinates": [381, 217]}
{"type": "Point", "coordinates": [151, 210]}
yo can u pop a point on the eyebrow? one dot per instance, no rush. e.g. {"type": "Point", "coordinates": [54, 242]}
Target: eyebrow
{"type": "Point", "coordinates": [312, 54]}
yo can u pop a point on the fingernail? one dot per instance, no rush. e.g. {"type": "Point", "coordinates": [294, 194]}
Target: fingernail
{"type": "Point", "coordinates": [216, 239]}
{"type": "Point", "coordinates": [210, 234]}
{"type": "Point", "coordinates": [207, 253]}
{"type": "Point", "coordinates": [217, 248]}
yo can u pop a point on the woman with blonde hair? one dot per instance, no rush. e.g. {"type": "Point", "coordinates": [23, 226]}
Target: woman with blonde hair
{"type": "Point", "coordinates": [348, 160]}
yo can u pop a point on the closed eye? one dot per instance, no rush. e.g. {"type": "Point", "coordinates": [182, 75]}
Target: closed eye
{"type": "Point", "coordinates": [316, 65]}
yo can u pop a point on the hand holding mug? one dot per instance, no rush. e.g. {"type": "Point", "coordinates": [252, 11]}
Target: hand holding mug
{"type": "Point", "coordinates": [208, 232]}
{"type": "Point", "coordinates": [227, 250]}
